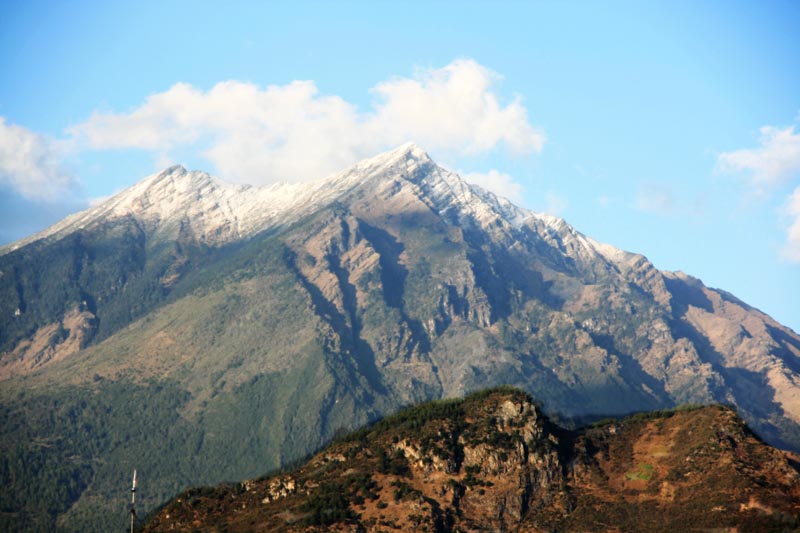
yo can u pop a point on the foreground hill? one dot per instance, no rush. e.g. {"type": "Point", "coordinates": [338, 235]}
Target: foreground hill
{"type": "Point", "coordinates": [148, 330]}
{"type": "Point", "coordinates": [493, 462]}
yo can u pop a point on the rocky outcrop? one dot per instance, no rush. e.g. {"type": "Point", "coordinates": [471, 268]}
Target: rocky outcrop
{"type": "Point", "coordinates": [493, 462]}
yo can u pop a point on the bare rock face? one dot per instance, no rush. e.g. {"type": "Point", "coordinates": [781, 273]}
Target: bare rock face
{"type": "Point", "coordinates": [50, 343]}
{"type": "Point", "coordinates": [278, 488]}
{"type": "Point", "coordinates": [493, 462]}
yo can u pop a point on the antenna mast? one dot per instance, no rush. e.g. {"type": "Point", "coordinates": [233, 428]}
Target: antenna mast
{"type": "Point", "coordinates": [133, 499]}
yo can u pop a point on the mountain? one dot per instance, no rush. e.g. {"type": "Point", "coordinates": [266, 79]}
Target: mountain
{"type": "Point", "coordinates": [493, 462]}
{"type": "Point", "coordinates": [203, 332]}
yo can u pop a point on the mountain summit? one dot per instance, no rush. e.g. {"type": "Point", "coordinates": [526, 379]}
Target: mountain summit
{"type": "Point", "coordinates": [217, 212]}
{"type": "Point", "coordinates": [249, 325]}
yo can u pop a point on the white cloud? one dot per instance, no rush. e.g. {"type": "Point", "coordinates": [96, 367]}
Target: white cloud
{"type": "Point", "coordinates": [31, 164]}
{"type": "Point", "coordinates": [497, 182]}
{"type": "Point", "coordinates": [775, 162]}
{"type": "Point", "coordinates": [791, 250]}
{"type": "Point", "coordinates": [655, 198]}
{"type": "Point", "coordinates": [293, 133]}
{"type": "Point", "coordinates": [453, 108]}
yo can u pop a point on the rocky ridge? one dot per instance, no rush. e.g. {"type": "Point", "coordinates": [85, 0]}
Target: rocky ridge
{"type": "Point", "coordinates": [493, 462]}
{"type": "Point", "coordinates": [216, 212]}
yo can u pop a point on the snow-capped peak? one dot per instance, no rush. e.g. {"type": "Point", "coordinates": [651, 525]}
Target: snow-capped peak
{"type": "Point", "coordinates": [215, 212]}
{"type": "Point", "coordinates": [404, 152]}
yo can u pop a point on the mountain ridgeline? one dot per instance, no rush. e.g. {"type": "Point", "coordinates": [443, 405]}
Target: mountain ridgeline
{"type": "Point", "coordinates": [204, 332]}
{"type": "Point", "coordinates": [493, 462]}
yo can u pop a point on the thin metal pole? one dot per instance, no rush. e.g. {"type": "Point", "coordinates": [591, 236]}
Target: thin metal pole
{"type": "Point", "coordinates": [133, 499]}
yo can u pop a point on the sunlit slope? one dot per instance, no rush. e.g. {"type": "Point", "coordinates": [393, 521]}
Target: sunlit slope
{"type": "Point", "coordinates": [140, 341]}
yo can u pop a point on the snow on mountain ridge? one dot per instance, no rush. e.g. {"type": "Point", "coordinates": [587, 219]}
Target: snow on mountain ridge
{"type": "Point", "coordinates": [218, 212]}
{"type": "Point", "coordinates": [450, 194]}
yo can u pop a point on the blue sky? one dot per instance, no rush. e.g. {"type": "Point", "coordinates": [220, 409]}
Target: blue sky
{"type": "Point", "coordinates": [666, 128]}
